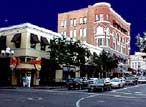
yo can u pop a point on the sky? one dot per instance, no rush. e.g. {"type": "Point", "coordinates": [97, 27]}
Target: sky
{"type": "Point", "coordinates": [44, 13]}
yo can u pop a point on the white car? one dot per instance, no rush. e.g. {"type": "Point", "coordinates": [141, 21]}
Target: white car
{"type": "Point", "coordinates": [142, 79]}
{"type": "Point", "coordinates": [117, 83]}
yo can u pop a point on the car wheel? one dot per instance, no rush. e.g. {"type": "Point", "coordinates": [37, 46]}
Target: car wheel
{"type": "Point", "coordinates": [102, 89]}
{"type": "Point", "coordinates": [89, 89]}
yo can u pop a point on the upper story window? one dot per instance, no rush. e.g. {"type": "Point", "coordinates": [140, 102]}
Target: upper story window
{"type": "Point", "coordinates": [100, 30]}
{"type": "Point", "coordinates": [81, 20]}
{"type": "Point", "coordinates": [62, 23]}
{"type": "Point", "coordinates": [101, 17]}
{"type": "Point", "coordinates": [65, 23]}
{"type": "Point", "coordinates": [34, 40]}
{"type": "Point", "coordinates": [84, 20]}
{"type": "Point", "coordinates": [44, 43]}
{"type": "Point", "coordinates": [75, 33]}
{"type": "Point", "coordinates": [107, 31]}
{"type": "Point", "coordinates": [17, 40]}
{"type": "Point", "coordinates": [71, 33]}
{"type": "Point", "coordinates": [71, 22]}
{"type": "Point", "coordinates": [96, 17]}
{"type": "Point", "coordinates": [75, 21]}
{"type": "Point", "coordinates": [107, 17]}
{"type": "Point", "coordinates": [81, 32]}
{"type": "Point", "coordinates": [85, 32]}
{"type": "Point", "coordinates": [100, 41]}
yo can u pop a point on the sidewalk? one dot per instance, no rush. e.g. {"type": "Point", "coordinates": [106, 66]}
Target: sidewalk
{"type": "Point", "coordinates": [33, 87]}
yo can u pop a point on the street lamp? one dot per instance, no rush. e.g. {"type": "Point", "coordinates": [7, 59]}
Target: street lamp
{"type": "Point", "coordinates": [7, 53]}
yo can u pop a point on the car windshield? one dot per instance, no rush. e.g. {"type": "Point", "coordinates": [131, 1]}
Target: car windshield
{"type": "Point", "coordinates": [100, 81]}
{"type": "Point", "coordinates": [130, 78]}
{"type": "Point", "coordinates": [115, 80]}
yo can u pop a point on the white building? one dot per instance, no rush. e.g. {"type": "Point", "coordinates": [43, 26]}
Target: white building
{"type": "Point", "coordinates": [137, 61]}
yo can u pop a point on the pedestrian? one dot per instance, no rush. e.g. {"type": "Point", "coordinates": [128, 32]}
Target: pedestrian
{"type": "Point", "coordinates": [24, 82]}
{"type": "Point", "coordinates": [28, 78]}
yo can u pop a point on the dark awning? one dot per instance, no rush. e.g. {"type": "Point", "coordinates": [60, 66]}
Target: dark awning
{"type": "Point", "coordinates": [44, 41]}
{"type": "Point", "coordinates": [34, 38]}
{"type": "Point", "coordinates": [16, 38]}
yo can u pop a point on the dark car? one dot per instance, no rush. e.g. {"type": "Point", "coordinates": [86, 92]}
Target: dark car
{"type": "Point", "coordinates": [100, 84]}
{"type": "Point", "coordinates": [131, 80]}
{"type": "Point", "coordinates": [75, 83]}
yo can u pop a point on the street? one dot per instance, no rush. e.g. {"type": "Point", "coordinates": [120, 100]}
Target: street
{"type": "Point", "coordinates": [131, 96]}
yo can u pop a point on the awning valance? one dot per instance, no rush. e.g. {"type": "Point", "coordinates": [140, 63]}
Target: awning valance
{"type": "Point", "coordinates": [34, 38]}
{"type": "Point", "coordinates": [26, 66]}
{"type": "Point", "coordinates": [44, 41]}
{"type": "Point", "coordinates": [16, 38]}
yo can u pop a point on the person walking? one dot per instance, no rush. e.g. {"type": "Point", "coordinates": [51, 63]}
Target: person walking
{"type": "Point", "coordinates": [24, 82]}
{"type": "Point", "coordinates": [28, 78]}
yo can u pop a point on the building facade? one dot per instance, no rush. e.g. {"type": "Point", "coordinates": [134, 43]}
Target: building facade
{"type": "Point", "coordinates": [98, 25]}
{"type": "Point", "coordinates": [30, 45]}
{"type": "Point", "coordinates": [138, 62]}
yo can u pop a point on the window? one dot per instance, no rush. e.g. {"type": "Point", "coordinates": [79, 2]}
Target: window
{"type": "Point", "coordinates": [75, 22]}
{"type": "Point", "coordinates": [75, 33]}
{"type": "Point", "coordinates": [62, 24]}
{"type": "Point", "coordinates": [64, 33]}
{"type": "Point", "coordinates": [81, 32]}
{"type": "Point", "coordinates": [71, 33]}
{"type": "Point", "coordinates": [71, 22]}
{"type": "Point", "coordinates": [81, 20]}
{"type": "Point", "coordinates": [99, 30]}
{"type": "Point", "coordinates": [85, 20]}
{"type": "Point", "coordinates": [65, 23]}
{"type": "Point", "coordinates": [17, 40]}
{"type": "Point", "coordinates": [100, 41]}
{"type": "Point", "coordinates": [34, 40]}
{"type": "Point", "coordinates": [96, 17]}
{"type": "Point", "coordinates": [114, 46]}
{"type": "Point", "coordinates": [101, 17]}
{"type": "Point", "coordinates": [85, 32]}
{"type": "Point", "coordinates": [44, 42]}
{"type": "Point", "coordinates": [107, 17]}
{"type": "Point", "coordinates": [108, 42]}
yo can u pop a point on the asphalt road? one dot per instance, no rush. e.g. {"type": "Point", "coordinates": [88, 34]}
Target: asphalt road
{"type": "Point", "coordinates": [134, 96]}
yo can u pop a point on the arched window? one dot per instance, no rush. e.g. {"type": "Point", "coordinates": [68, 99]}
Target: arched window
{"type": "Point", "coordinates": [107, 31]}
{"type": "Point", "coordinates": [100, 30]}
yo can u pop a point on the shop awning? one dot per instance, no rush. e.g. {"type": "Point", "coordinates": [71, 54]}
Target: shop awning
{"type": "Point", "coordinates": [16, 38]}
{"type": "Point", "coordinates": [44, 41]}
{"type": "Point", "coordinates": [34, 38]}
{"type": "Point", "coordinates": [26, 66]}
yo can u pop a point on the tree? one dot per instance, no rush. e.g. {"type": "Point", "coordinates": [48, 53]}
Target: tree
{"type": "Point", "coordinates": [141, 42]}
{"type": "Point", "coordinates": [66, 52]}
{"type": "Point", "coordinates": [105, 62]}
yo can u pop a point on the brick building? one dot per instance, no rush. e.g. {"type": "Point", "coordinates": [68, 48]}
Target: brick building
{"type": "Point", "coordinates": [98, 25]}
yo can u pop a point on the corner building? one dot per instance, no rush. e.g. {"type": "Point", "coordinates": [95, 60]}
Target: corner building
{"type": "Point", "coordinates": [98, 25]}
{"type": "Point", "coordinates": [30, 44]}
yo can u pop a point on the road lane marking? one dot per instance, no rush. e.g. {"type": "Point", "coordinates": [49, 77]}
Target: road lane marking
{"type": "Point", "coordinates": [83, 98]}
{"type": "Point", "coordinates": [137, 92]}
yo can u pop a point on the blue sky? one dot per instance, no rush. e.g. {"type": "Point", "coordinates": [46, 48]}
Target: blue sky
{"type": "Point", "coordinates": [44, 13]}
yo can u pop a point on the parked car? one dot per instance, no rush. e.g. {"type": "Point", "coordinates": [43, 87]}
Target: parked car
{"type": "Point", "coordinates": [142, 79]}
{"type": "Point", "coordinates": [92, 80]}
{"type": "Point", "coordinates": [76, 83]}
{"type": "Point", "coordinates": [100, 84]}
{"type": "Point", "coordinates": [117, 83]}
{"type": "Point", "coordinates": [131, 80]}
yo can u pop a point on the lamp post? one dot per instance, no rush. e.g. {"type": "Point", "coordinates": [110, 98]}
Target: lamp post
{"type": "Point", "coordinates": [6, 55]}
